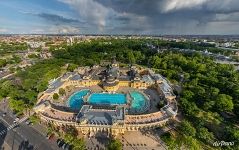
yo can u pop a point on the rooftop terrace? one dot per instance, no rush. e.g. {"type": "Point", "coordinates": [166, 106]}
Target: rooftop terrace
{"type": "Point", "coordinates": [99, 116]}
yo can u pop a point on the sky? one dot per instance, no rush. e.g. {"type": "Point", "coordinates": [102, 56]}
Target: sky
{"type": "Point", "coordinates": [155, 17]}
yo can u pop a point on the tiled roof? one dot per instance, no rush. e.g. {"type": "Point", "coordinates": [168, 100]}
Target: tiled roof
{"type": "Point", "coordinates": [147, 78]}
{"type": "Point", "coordinates": [158, 77]}
{"type": "Point", "coordinates": [124, 78]}
{"type": "Point", "coordinates": [76, 77]}
{"type": "Point", "coordinates": [67, 75]}
{"type": "Point", "coordinates": [54, 85]}
{"type": "Point", "coordinates": [166, 88]}
{"type": "Point", "coordinates": [99, 116]}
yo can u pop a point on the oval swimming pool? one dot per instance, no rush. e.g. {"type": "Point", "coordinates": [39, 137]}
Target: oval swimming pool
{"type": "Point", "coordinates": [138, 103]}
{"type": "Point", "coordinates": [75, 101]}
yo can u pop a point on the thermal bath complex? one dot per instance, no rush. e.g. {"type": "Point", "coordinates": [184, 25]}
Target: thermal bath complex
{"type": "Point", "coordinates": [110, 99]}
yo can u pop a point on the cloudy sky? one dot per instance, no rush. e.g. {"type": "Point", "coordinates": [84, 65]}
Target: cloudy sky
{"type": "Point", "coordinates": [119, 16]}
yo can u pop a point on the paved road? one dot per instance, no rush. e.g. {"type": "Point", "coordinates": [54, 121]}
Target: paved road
{"type": "Point", "coordinates": [7, 76]}
{"type": "Point", "coordinates": [98, 142]}
{"type": "Point", "coordinates": [16, 137]}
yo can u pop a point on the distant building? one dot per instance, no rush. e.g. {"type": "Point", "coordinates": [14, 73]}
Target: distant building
{"type": "Point", "coordinates": [36, 44]}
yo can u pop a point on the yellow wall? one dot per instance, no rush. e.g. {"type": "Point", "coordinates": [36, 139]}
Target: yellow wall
{"type": "Point", "coordinates": [124, 83]}
{"type": "Point", "coordinates": [111, 88]}
{"type": "Point", "coordinates": [90, 82]}
{"type": "Point", "coordinates": [136, 84]}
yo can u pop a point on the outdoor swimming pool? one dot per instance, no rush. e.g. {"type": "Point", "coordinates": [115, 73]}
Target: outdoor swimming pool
{"type": "Point", "coordinates": [76, 100]}
{"type": "Point", "coordinates": [105, 98]}
{"type": "Point", "coordinates": [138, 103]}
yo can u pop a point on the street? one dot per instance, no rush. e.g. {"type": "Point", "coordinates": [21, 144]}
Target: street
{"type": "Point", "coordinates": [22, 136]}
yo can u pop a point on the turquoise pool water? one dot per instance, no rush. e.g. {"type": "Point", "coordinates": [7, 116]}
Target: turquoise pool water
{"type": "Point", "coordinates": [76, 100]}
{"type": "Point", "coordinates": [105, 98]}
{"type": "Point", "coordinates": [138, 101]}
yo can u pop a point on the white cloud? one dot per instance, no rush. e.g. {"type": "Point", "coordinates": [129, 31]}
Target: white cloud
{"type": "Point", "coordinates": [223, 6]}
{"type": "Point", "coordinates": [2, 30]}
{"type": "Point", "coordinates": [63, 29]}
{"type": "Point", "coordinates": [60, 29]}
{"type": "Point", "coordinates": [172, 5]}
{"type": "Point", "coordinates": [91, 11]}
{"type": "Point", "coordinates": [37, 31]}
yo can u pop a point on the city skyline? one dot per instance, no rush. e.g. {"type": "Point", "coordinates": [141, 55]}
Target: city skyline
{"type": "Point", "coordinates": [119, 17]}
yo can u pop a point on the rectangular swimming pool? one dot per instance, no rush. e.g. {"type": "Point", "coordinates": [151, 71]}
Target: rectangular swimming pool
{"type": "Point", "coordinates": [105, 98]}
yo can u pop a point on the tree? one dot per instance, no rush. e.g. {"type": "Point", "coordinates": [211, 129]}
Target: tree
{"type": "Point", "coordinates": [191, 143]}
{"type": "Point", "coordinates": [213, 91]}
{"type": "Point", "coordinates": [205, 135]}
{"type": "Point", "coordinates": [131, 58]}
{"type": "Point", "coordinates": [115, 145]}
{"type": "Point", "coordinates": [62, 91]}
{"type": "Point", "coordinates": [224, 102]}
{"type": "Point", "coordinates": [160, 104]}
{"type": "Point", "coordinates": [16, 59]}
{"type": "Point", "coordinates": [34, 119]}
{"type": "Point", "coordinates": [41, 86]}
{"type": "Point", "coordinates": [17, 105]}
{"type": "Point", "coordinates": [189, 108]}
{"type": "Point", "coordinates": [139, 56]}
{"type": "Point", "coordinates": [211, 117]}
{"type": "Point", "coordinates": [155, 61]}
{"type": "Point", "coordinates": [71, 138]}
{"type": "Point", "coordinates": [234, 134]}
{"type": "Point", "coordinates": [170, 141]}
{"type": "Point", "coordinates": [30, 95]}
{"type": "Point", "coordinates": [72, 67]}
{"type": "Point", "coordinates": [29, 83]}
{"type": "Point", "coordinates": [55, 96]}
{"type": "Point", "coordinates": [68, 138]}
{"type": "Point", "coordinates": [78, 144]}
{"type": "Point", "coordinates": [3, 62]}
{"type": "Point", "coordinates": [187, 94]}
{"type": "Point", "coordinates": [33, 56]}
{"type": "Point", "coordinates": [187, 128]}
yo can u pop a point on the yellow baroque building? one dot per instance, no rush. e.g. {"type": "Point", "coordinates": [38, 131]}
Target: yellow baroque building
{"type": "Point", "coordinates": [111, 120]}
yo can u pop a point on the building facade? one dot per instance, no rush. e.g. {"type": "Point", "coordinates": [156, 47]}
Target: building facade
{"type": "Point", "coordinates": [112, 120]}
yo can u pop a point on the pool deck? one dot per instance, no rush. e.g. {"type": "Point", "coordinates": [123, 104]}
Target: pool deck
{"type": "Point", "coordinates": [154, 97]}
{"type": "Point", "coordinates": [63, 99]}
{"type": "Point", "coordinates": [154, 115]}
{"type": "Point", "coordinates": [140, 141]}
{"type": "Point", "coordinates": [59, 115]}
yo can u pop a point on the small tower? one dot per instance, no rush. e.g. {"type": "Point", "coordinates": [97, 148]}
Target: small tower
{"type": "Point", "coordinates": [114, 63]}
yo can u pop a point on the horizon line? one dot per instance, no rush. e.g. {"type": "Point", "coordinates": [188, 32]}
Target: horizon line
{"type": "Point", "coordinates": [153, 35]}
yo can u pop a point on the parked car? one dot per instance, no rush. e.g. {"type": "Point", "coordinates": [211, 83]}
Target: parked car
{"type": "Point", "coordinates": [60, 142]}
{"type": "Point", "coordinates": [4, 114]}
{"type": "Point", "coordinates": [28, 122]}
{"type": "Point", "coordinates": [16, 120]}
{"type": "Point", "coordinates": [57, 141]}
{"type": "Point", "coordinates": [16, 126]}
{"type": "Point", "coordinates": [67, 147]}
{"type": "Point", "coordinates": [64, 145]}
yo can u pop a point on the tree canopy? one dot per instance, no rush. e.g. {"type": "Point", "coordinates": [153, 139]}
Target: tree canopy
{"type": "Point", "coordinates": [114, 145]}
{"type": "Point", "coordinates": [55, 96]}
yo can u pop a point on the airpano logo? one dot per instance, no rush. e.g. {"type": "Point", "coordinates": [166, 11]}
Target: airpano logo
{"type": "Point", "coordinates": [222, 143]}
